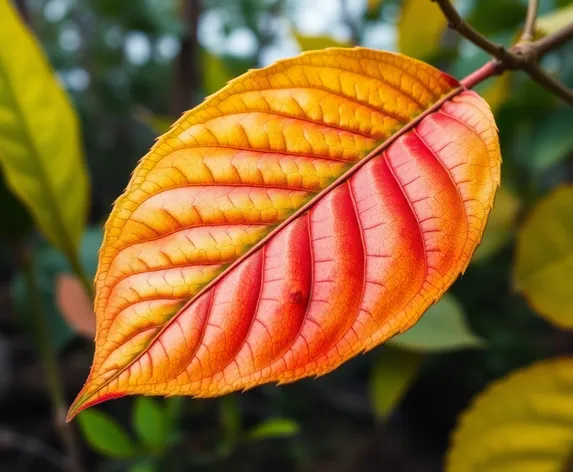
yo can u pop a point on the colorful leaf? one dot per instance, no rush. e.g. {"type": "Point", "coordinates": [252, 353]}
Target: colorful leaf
{"type": "Point", "coordinates": [523, 422]}
{"type": "Point", "coordinates": [40, 153]}
{"type": "Point", "coordinates": [393, 373]}
{"type": "Point", "coordinates": [544, 259]}
{"type": "Point", "coordinates": [443, 328]}
{"type": "Point", "coordinates": [304, 214]}
{"type": "Point", "coordinates": [420, 28]}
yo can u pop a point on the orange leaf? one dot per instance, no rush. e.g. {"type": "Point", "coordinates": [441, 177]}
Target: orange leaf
{"type": "Point", "coordinates": [305, 213]}
{"type": "Point", "coordinates": [75, 305]}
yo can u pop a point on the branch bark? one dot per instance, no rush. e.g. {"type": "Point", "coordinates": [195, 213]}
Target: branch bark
{"type": "Point", "coordinates": [530, 20]}
{"type": "Point", "coordinates": [523, 56]}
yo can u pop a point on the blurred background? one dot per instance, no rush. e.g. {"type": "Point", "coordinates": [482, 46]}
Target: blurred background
{"type": "Point", "coordinates": [130, 69]}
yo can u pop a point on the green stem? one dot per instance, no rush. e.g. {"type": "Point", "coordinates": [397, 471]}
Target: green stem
{"type": "Point", "coordinates": [49, 360]}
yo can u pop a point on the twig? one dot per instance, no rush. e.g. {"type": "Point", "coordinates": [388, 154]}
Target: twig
{"type": "Point", "coordinates": [553, 41]}
{"type": "Point", "coordinates": [456, 22]}
{"type": "Point", "coordinates": [523, 56]}
{"type": "Point", "coordinates": [35, 447]}
{"type": "Point", "coordinates": [530, 20]}
{"type": "Point", "coordinates": [549, 83]}
{"type": "Point", "coordinates": [48, 358]}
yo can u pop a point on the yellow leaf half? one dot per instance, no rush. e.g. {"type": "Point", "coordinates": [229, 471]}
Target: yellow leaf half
{"type": "Point", "coordinates": [522, 423]}
{"type": "Point", "coordinates": [39, 137]}
{"type": "Point", "coordinates": [544, 259]}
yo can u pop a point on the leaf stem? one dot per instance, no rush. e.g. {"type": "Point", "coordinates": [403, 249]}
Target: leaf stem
{"type": "Point", "coordinates": [489, 69]}
{"type": "Point", "coordinates": [48, 357]}
{"type": "Point", "coordinates": [530, 20]}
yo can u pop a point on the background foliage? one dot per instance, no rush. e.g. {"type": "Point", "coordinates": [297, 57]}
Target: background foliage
{"type": "Point", "coordinates": [129, 69]}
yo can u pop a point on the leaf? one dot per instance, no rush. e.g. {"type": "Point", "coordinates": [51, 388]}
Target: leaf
{"type": "Point", "coordinates": [274, 428]}
{"type": "Point", "coordinates": [266, 238]}
{"type": "Point", "coordinates": [105, 435]}
{"type": "Point", "coordinates": [501, 225]}
{"type": "Point", "coordinates": [523, 422]}
{"type": "Point", "coordinates": [39, 138]}
{"type": "Point", "coordinates": [393, 373]}
{"type": "Point", "coordinates": [544, 258]}
{"type": "Point", "coordinates": [420, 28]}
{"type": "Point", "coordinates": [443, 328]}
{"type": "Point", "coordinates": [75, 305]}
{"type": "Point", "coordinates": [143, 467]}
{"type": "Point", "coordinates": [551, 22]}
{"type": "Point", "coordinates": [49, 264]}
{"type": "Point", "coordinates": [157, 123]}
{"type": "Point", "coordinates": [309, 43]}
{"type": "Point", "coordinates": [150, 422]}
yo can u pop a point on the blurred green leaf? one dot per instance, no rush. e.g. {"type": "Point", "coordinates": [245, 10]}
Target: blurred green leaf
{"type": "Point", "coordinates": [105, 435]}
{"type": "Point", "coordinates": [48, 263]}
{"type": "Point", "coordinates": [156, 123]}
{"type": "Point", "coordinates": [39, 138]}
{"type": "Point", "coordinates": [150, 422]}
{"type": "Point", "coordinates": [392, 374]}
{"type": "Point", "coordinates": [552, 139]}
{"type": "Point", "coordinates": [501, 224]}
{"type": "Point", "coordinates": [497, 16]}
{"type": "Point", "coordinates": [273, 428]}
{"type": "Point", "coordinates": [547, 24]}
{"type": "Point", "coordinates": [441, 328]}
{"type": "Point", "coordinates": [143, 467]}
{"type": "Point", "coordinates": [420, 28]}
{"type": "Point", "coordinates": [230, 416]}
{"type": "Point", "coordinates": [309, 43]}
{"type": "Point", "coordinates": [544, 258]}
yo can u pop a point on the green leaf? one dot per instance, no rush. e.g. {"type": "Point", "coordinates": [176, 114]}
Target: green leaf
{"type": "Point", "coordinates": [544, 258]}
{"type": "Point", "coordinates": [442, 328]}
{"type": "Point", "coordinates": [40, 151]}
{"type": "Point", "coordinates": [157, 123]}
{"type": "Point", "coordinates": [552, 139]}
{"type": "Point", "coordinates": [501, 225]}
{"type": "Point", "coordinates": [393, 373]}
{"type": "Point", "coordinates": [143, 467]}
{"type": "Point", "coordinates": [48, 264]}
{"type": "Point", "coordinates": [274, 428]}
{"type": "Point", "coordinates": [547, 24]}
{"type": "Point", "coordinates": [420, 28]}
{"type": "Point", "coordinates": [230, 416]}
{"type": "Point", "coordinates": [309, 43]}
{"type": "Point", "coordinates": [150, 422]}
{"type": "Point", "coordinates": [105, 435]}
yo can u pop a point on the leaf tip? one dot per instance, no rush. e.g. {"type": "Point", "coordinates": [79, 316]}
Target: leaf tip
{"type": "Point", "coordinates": [86, 400]}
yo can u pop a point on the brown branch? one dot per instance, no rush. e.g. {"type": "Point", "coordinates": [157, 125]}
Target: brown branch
{"type": "Point", "coordinates": [530, 20]}
{"type": "Point", "coordinates": [553, 41]}
{"type": "Point", "coordinates": [523, 56]}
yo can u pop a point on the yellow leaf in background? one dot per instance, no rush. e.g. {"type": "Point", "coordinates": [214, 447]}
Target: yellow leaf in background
{"type": "Point", "coordinates": [544, 259]}
{"type": "Point", "coordinates": [309, 43]}
{"type": "Point", "coordinates": [215, 73]}
{"type": "Point", "coordinates": [420, 28]}
{"type": "Point", "coordinates": [555, 20]}
{"type": "Point", "coordinates": [40, 151]}
{"type": "Point", "coordinates": [521, 423]}
{"type": "Point", "coordinates": [392, 374]}
{"type": "Point", "coordinates": [500, 226]}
